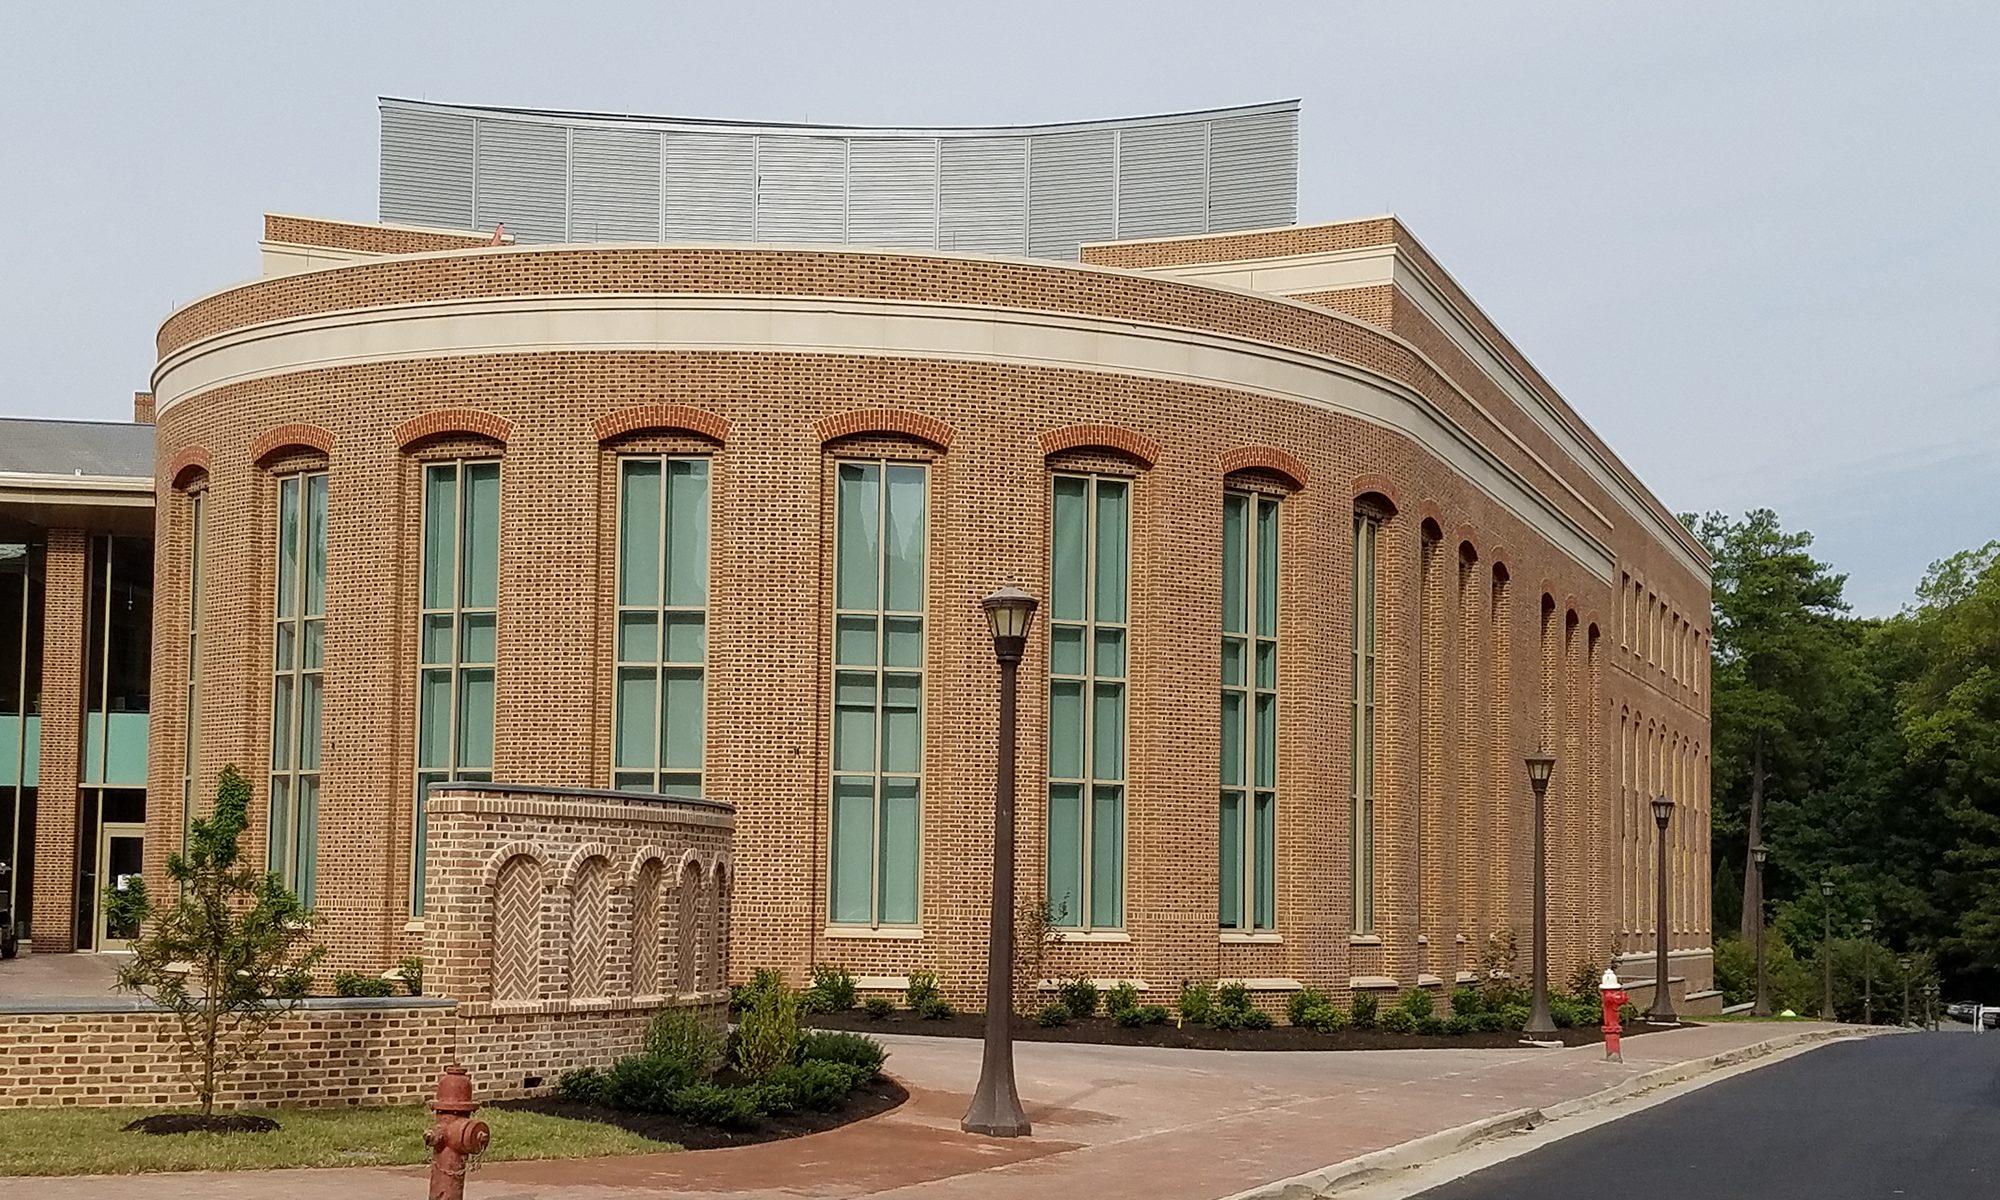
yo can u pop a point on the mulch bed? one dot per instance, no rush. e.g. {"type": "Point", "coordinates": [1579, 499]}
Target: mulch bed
{"type": "Point", "coordinates": [196, 1123]}
{"type": "Point", "coordinates": [1106, 1032]}
{"type": "Point", "coordinates": [878, 1095]}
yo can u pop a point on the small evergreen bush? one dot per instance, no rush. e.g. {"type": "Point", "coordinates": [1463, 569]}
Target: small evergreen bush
{"type": "Point", "coordinates": [878, 1008]}
{"type": "Point", "coordinates": [1303, 1001]}
{"type": "Point", "coordinates": [1364, 1012]}
{"type": "Point", "coordinates": [1322, 1018]}
{"type": "Point", "coordinates": [816, 1084]}
{"type": "Point", "coordinates": [353, 983]}
{"type": "Point", "coordinates": [682, 1036]}
{"type": "Point", "coordinates": [714, 1104]}
{"type": "Point", "coordinates": [1419, 1003]}
{"type": "Point", "coordinates": [767, 1034]}
{"type": "Point", "coordinates": [1431, 1025]}
{"type": "Point", "coordinates": [854, 1049]}
{"type": "Point", "coordinates": [924, 998]}
{"type": "Point", "coordinates": [832, 989]}
{"type": "Point", "coordinates": [1141, 1014]}
{"type": "Point", "coordinates": [412, 971]}
{"type": "Point", "coordinates": [1197, 1003]}
{"type": "Point", "coordinates": [1467, 1002]}
{"type": "Point", "coordinates": [1079, 996]}
{"type": "Point", "coordinates": [1458, 1024]}
{"type": "Point", "coordinates": [1049, 1016]}
{"type": "Point", "coordinates": [1397, 1020]}
{"type": "Point", "coordinates": [1120, 1000]}
{"type": "Point", "coordinates": [1514, 1016]}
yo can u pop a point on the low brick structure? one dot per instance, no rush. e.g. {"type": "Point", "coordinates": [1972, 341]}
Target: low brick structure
{"type": "Point", "coordinates": [328, 1052]}
{"type": "Point", "coordinates": [562, 921]}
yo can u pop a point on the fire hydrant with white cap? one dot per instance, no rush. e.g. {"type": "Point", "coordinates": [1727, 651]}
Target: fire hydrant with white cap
{"type": "Point", "coordinates": [456, 1137]}
{"type": "Point", "coordinates": [1615, 998]}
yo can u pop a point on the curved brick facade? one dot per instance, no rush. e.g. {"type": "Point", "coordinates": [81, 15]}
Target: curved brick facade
{"type": "Point", "coordinates": [994, 374]}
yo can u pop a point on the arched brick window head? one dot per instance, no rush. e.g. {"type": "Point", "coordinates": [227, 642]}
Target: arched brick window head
{"type": "Point", "coordinates": [1101, 437]}
{"type": "Point", "coordinates": [447, 421]}
{"type": "Point", "coordinates": [649, 418]}
{"type": "Point", "coordinates": [885, 420]}
{"type": "Point", "coordinates": [296, 436]}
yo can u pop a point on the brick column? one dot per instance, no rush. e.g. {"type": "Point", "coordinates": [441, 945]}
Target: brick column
{"type": "Point", "coordinates": [64, 622]}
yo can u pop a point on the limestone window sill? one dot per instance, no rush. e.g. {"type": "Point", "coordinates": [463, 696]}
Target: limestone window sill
{"type": "Point", "coordinates": [1233, 937]}
{"type": "Point", "coordinates": [864, 933]}
{"type": "Point", "coordinates": [1092, 935]}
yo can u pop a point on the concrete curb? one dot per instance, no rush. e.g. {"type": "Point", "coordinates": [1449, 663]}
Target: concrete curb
{"type": "Point", "coordinates": [1335, 1176]}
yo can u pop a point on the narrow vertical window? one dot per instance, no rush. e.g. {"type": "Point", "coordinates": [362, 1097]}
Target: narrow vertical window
{"type": "Point", "coordinates": [1361, 742]}
{"type": "Point", "coordinates": [662, 625]}
{"type": "Point", "coordinates": [191, 732]}
{"type": "Point", "coordinates": [878, 692]}
{"type": "Point", "coordinates": [1087, 656]}
{"type": "Point", "coordinates": [299, 653]}
{"type": "Point", "coordinates": [457, 634]}
{"type": "Point", "coordinates": [1247, 839]}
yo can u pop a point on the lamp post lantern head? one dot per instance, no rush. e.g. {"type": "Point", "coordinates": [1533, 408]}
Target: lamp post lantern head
{"type": "Point", "coordinates": [1758, 852]}
{"type": "Point", "coordinates": [1826, 888]}
{"type": "Point", "coordinates": [1663, 810]}
{"type": "Point", "coordinates": [1541, 765]}
{"type": "Point", "coordinates": [1867, 926]}
{"type": "Point", "coordinates": [1009, 612]}
{"type": "Point", "coordinates": [1904, 962]}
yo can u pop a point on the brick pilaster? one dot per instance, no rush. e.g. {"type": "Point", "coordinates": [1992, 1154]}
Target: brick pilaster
{"type": "Point", "coordinates": [63, 625]}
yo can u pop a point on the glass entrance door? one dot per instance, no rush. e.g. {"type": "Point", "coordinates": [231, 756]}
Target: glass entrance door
{"type": "Point", "coordinates": [120, 854]}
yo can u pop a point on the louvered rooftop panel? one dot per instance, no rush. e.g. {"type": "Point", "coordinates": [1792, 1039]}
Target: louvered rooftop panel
{"type": "Point", "coordinates": [522, 179]}
{"type": "Point", "coordinates": [615, 194]}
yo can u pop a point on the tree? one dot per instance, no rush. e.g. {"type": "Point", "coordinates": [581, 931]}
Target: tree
{"type": "Point", "coordinates": [1777, 636]}
{"type": "Point", "coordinates": [232, 955]}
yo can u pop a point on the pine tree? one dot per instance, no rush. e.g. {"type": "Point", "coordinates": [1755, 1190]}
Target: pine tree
{"type": "Point", "coordinates": [233, 954]}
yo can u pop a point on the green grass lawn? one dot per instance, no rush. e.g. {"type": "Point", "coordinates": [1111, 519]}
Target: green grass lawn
{"type": "Point", "coordinates": [92, 1141]}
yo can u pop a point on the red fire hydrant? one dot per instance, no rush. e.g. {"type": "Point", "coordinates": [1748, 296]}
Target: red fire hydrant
{"type": "Point", "coordinates": [1615, 998]}
{"type": "Point", "coordinates": [456, 1137]}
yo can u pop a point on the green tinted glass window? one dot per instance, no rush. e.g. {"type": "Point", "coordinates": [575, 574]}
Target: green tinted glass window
{"type": "Point", "coordinates": [457, 635]}
{"type": "Point", "coordinates": [1249, 776]}
{"type": "Point", "coordinates": [661, 636]}
{"type": "Point", "coordinates": [299, 641]}
{"type": "Point", "coordinates": [880, 547]}
{"type": "Point", "coordinates": [1089, 659]}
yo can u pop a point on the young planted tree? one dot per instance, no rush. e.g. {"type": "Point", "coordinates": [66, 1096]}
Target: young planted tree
{"type": "Point", "coordinates": [231, 955]}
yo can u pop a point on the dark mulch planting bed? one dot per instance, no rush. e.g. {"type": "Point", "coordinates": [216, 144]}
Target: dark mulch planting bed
{"type": "Point", "coordinates": [196, 1123]}
{"type": "Point", "coordinates": [878, 1095]}
{"type": "Point", "coordinates": [1104, 1031]}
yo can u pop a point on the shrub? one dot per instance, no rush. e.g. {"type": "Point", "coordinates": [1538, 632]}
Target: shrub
{"type": "Point", "coordinates": [1584, 981]}
{"type": "Point", "coordinates": [1232, 996]}
{"type": "Point", "coordinates": [924, 998]}
{"type": "Point", "coordinates": [1419, 1003]}
{"type": "Point", "coordinates": [1048, 1016]}
{"type": "Point", "coordinates": [682, 1036]}
{"type": "Point", "coordinates": [1398, 1020]}
{"type": "Point", "coordinates": [815, 1084]}
{"type": "Point", "coordinates": [353, 983]}
{"type": "Point", "coordinates": [832, 990]}
{"type": "Point", "coordinates": [1489, 1022]}
{"type": "Point", "coordinates": [767, 1034]}
{"type": "Point", "coordinates": [878, 1008]}
{"type": "Point", "coordinates": [1303, 1001]}
{"type": "Point", "coordinates": [1628, 1013]}
{"type": "Point", "coordinates": [1079, 996]}
{"type": "Point", "coordinates": [1197, 1003]}
{"type": "Point", "coordinates": [713, 1104]}
{"type": "Point", "coordinates": [1362, 1013]}
{"type": "Point", "coordinates": [1142, 1014]}
{"type": "Point", "coordinates": [643, 1083]}
{"type": "Point", "coordinates": [1431, 1025]}
{"type": "Point", "coordinates": [1496, 970]}
{"type": "Point", "coordinates": [1322, 1018]}
{"type": "Point", "coordinates": [412, 971]}
{"type": "Point", "coordinates": [1514, 1016]}
{"type": "Point", "coordinates": [854, 1049]}
{"type": "Point", "coordinates": [585, 1085]}
{"type": "Point", "coordinates": [1253, 1018]}
{"type": "Point", "coordinates": [1467, 1002]}
{"type": "Point", "coordinates": [1121, 999]}
{"type": "Point", "coordinates": [1458, 1024]}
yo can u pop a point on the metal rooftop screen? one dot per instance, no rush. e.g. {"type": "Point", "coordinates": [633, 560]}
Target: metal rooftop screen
{"type": "Point", "coordinates": [1035, 190]}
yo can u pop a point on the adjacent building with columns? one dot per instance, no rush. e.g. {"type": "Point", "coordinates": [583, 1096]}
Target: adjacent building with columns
{"type": "Point", "coordinates": [691, 480]}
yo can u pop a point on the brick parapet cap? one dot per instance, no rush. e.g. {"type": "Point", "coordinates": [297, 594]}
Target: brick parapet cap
{"type": "Point", "coordinates": [537, 800]}
{"type": "Point", "coordinates": [45, 1007]}
{"type": "Point", "coordinates": [599, 1004]}
{"type": "Point", "coordinates": [369, 237]}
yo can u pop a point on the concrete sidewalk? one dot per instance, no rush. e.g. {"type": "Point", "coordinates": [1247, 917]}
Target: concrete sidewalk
{"type": "Point", "coordinates": [1110, 1123]}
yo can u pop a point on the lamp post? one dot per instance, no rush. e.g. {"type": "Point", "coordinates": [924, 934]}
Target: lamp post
{"type": "Point", "coordinates": [1541, 764]}
{"type": "Point", "coordinates": [1867, 971]}
{"type": "Point", "coordinates": [1930, 1005]}
{"type": "Point", "coordinates": [996, 1105]}
{"type": "Point", "coordinates": [1826, 947]}
{"type": "Point", "coordinates": [1903, 965]}
{"type": "Point", "coordinates": [1762, 1008]}
{"type": "Point", "coordinates": [1662, 1012]}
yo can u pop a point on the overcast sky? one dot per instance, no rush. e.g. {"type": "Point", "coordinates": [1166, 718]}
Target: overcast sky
{"type": "Point", "coordinates": [1757, 245]}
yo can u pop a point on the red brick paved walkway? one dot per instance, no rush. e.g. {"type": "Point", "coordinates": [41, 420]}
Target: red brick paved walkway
{"type": "Point", "coordinates": [1110, 1123]}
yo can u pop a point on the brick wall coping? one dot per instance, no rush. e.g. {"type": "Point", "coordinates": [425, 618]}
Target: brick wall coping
{"type": "Point", "coordinates": [136, 1004]}
{"type": "Point", "coordinates": [579, 793]}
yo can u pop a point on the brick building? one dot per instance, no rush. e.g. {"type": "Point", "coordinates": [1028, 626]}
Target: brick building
{"type": "Point", "coordinates": [1320, 554]}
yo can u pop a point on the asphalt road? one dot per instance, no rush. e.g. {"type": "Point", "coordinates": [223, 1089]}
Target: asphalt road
{"type": "Point", "coordinates": [1913, 1115]}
